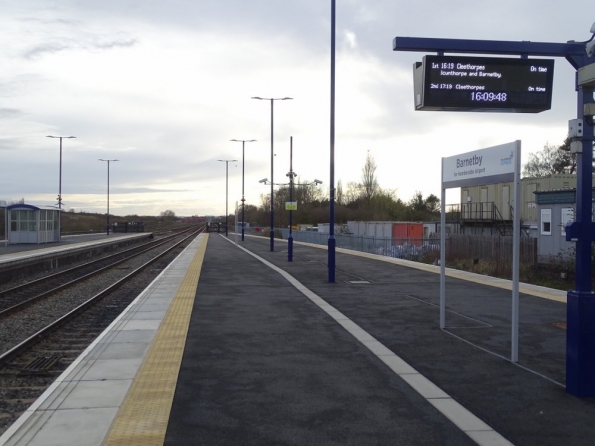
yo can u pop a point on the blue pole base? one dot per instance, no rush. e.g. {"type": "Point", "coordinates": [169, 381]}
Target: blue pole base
{"type": "Point", "coordinates": [272, 243]}
{"type": "Point", "coordinates": [580, 344]}
{"type": "Point", "coordinates": [290, 248]}
{"type": "Point", "coordinates": [331, 258]}
{"type": "Point", "coordinates": [242, 233]}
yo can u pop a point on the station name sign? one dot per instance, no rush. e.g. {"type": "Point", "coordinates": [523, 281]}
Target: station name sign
{"type": "Point", "coordinates": [485, 166]}
{"type": "Point", "coordinates": [483, 84]}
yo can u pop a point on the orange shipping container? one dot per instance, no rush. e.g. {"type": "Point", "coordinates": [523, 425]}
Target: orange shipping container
{"type": "Point", "coordinates": [408, 232]}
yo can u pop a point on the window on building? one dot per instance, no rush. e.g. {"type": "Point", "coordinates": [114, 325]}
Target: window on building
{"type": "Point", "coordinates": [23, 220]}
{"type": "Point", "coordinates": [546, 222]}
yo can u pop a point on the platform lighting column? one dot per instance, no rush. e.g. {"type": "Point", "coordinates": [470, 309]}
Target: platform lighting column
{"type": "Point", "coordinates": [60, 174]}
{"type": "Point", "coordinates": [291, 176]}
{"type": "Point", "coordinates": [243, 141]}
{"type": "Point", "coordinates": [108, 161]}
{"type": "Point", "coordinates": [331, 238]}
{"type": "Point", "coordinates": [272, 235]}
{"type": "Point", "coordinates": [226, 194]}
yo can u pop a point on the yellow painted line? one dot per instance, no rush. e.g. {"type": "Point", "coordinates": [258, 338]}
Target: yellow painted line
{"type": "Point", "coordinates": [533, 290]}
{"type": "Point", "coordinates": [143, 417]}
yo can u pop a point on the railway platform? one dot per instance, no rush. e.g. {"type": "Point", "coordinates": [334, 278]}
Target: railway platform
{"type": "Point", "coordinates": [233, 344]}
{"type": "Point", "coordinates": [19, 259]}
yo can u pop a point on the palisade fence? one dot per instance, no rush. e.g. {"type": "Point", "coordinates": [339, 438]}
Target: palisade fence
{"type": "Point", "coordinates": [458, 246]}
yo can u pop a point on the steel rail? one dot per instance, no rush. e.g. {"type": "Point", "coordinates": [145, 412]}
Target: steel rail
{"type": "Point", "coordinates": [31, 340]}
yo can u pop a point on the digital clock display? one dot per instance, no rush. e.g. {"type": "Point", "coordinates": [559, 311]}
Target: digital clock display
{"type": "Point", "coordinates": [452, 83]}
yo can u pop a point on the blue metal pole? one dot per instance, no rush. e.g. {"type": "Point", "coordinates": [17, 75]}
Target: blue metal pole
{"type": "Point", "coordinates": [226, 195]}
{"type": "Point", "coordinates": [243, 200]}
{"type": "Point", "coordinates": [331, 238]}
{"type": "Point", "coordinates": [108, 197]}
{"type": "Point", "coordinates": [580, 337]}
{"type": "Point", "coordinates": [272, 234]}
{"type": "Point", "coordinates": [290, 238]}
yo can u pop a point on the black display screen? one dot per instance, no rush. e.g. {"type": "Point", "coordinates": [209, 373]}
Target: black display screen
{"type": "Point", "coordinates": [454, 83]}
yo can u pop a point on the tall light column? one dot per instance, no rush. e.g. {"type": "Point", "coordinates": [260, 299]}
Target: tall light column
{"type": "Point", "coordinates": [243, 141]}
{"type": "Point", "coordinates": [108, 161]}
{"type": "Point", "coordinates": [331, 238]}
{"type": "Point", "coordinates": [226, 194]}
{"type": "Point", "coordinates": [60, 175]}
{"type": "Point", "coordinates": [272, 235]}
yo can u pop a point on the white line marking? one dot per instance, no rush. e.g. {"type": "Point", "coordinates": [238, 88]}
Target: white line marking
{"type": "Point", "coordinates": [471, 425]}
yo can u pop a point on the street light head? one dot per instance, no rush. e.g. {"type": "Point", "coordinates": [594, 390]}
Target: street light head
{"type": "Point", "coordinates": [286, 99]}
{"type": "Point", "coordinates": [264, 180]}
{"type": "Point", "coordinates": [317, 182]}
{"type": "Point", "coordinates": [256, 97]}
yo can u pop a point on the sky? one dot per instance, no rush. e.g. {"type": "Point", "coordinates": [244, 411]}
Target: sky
{"type": "Point", "coordinates": [163, 86]}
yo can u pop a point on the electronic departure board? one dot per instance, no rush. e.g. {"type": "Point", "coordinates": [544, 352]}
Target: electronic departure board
{"type": "Point", "coordinates": [483, 84]}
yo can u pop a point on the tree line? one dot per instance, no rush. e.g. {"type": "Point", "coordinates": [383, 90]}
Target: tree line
{"type": "Point", "coordinates": [367, 201]}
{"type": "Point", "coordinates": [359, 201]}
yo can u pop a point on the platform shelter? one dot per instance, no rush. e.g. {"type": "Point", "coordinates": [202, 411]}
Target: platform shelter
{"type": "Point", "coordinates": [32, 224]}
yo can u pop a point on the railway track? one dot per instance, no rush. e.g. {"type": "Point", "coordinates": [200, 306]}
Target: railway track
{"type": "Point", "coordinates": [19, 297]}
{"type": "Point", "coordinates": [28, 366]}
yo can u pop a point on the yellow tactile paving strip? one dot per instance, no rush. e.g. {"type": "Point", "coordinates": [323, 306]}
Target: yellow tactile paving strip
{"type": "Point", "coordinates": [142, 419]}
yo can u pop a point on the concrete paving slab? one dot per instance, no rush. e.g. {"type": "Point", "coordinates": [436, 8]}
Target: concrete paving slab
{"type": "Point", "coordinates": [112, 369]}
{"type": "Point", "coordinates": [97, 394]}
{"type": "Point", "coordinates": [141, 325]}
{"type": "Point", "coordinates": [63, 427]}
{"type": "Point", "coordinates": [131, 336]}
{"type": "Point", "coordinates": [122, 350]}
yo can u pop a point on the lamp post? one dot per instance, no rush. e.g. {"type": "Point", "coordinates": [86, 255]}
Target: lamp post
{"type": "Point", "coordinates": [291, 184]}
{"type": "Point", "coordinates": [272, 235]}
{"type": "Point", "coordinates": [243, 141]}
{"type": "Point", "coordinates": [108, 161]}
{"type": "Point", "coordinates": [60, 175]}
{"type": "Point", "coordinates": [291, 176]}
{"type": "Point", "coordinates": [331, 238]}
{"type": "Point", "coordinates": [226, 183]}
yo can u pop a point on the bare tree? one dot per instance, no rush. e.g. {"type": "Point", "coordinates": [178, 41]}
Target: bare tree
{"type": "Point", "coordinates": [551, 160]}
{"type": "Point", "coordinates": [353, 192]}
{"type": "Point", "coordinates": [339, 193]}
{"type": "Point", "coordinates": [369, 181]}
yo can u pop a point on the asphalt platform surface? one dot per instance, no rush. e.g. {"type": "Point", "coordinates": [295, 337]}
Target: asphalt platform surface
{"type": "Point", "coordinates": [264, 365]}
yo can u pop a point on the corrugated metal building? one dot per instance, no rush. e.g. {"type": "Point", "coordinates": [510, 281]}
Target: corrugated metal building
{"type": "Point", "coordinates": [555, 209]}
{"type": "Point", "coordinates": [483, 208]}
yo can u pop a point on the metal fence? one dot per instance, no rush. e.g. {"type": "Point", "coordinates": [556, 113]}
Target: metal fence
{"type": "Point", "coordinates": [488, 248]}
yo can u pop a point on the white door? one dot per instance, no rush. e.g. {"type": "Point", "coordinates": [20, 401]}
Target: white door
{"type": "Point", "coordinates": [485, 214]}
{"type": "Point", "coordinates": [505, 211]}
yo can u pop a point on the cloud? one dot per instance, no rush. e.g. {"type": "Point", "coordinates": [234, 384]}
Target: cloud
{"type": "Point", "coordinates": [350, 39]}
{"type": "Point", "coordinates": [8, 144]}
{"type": "Point", "coordinates": [71, 44]}
{"type": "Point", "coordinates": [7, 113]}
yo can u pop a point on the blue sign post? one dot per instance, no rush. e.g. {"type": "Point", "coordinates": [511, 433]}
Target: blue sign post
{"type": "Point", "coordinates": [580, 343]}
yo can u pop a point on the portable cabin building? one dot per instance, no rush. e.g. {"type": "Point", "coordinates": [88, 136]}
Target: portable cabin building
{"type": "Point", "coordinates": [490, 207]}
{"type": "Point", "coordinates": [556, 209]}
{"type": "Point", "coordinates": [32, 224]}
